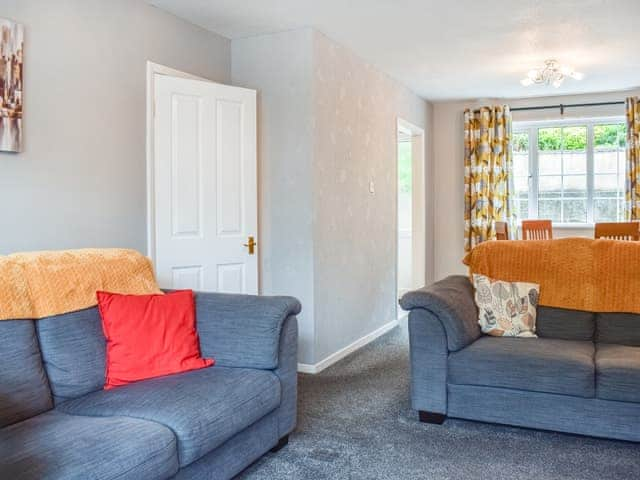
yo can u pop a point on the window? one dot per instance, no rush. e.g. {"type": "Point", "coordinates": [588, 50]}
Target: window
{"type": "Point", "coordinates": [571, 173]}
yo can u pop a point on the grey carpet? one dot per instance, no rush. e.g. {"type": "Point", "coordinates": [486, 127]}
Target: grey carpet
{"type": "Point", "coordinates": [355, 422]}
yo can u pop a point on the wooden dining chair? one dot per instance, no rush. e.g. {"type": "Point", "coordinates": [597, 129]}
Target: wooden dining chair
{"type": "Point", "coordinates": [618, 231]}
{"type": "Point", "coordinates": [502, 231]}
{"type": "Point", "coordinates": [537, 230]}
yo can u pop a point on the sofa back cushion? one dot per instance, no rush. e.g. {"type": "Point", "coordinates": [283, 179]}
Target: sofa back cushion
{"type": "Point", "coordinates": [24, 390]}
{"type": "Point", "coordinates": [620, 328]}
{"type": "Point", "coordinates": [565, 324]}
{"type": "Point", "coordinates": [73, 351]}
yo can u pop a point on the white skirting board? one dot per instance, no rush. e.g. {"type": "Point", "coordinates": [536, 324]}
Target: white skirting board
{"type": "Point", "coordinates": [340, 354]}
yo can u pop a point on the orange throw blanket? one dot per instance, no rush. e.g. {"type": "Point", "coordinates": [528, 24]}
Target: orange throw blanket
{"type": "Point", "coordinates": [42, 284]}
{"type": "Point", "coordinates": [573, 273]}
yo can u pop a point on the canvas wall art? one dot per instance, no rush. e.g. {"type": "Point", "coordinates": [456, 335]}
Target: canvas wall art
{"type": "Point", "coordinates": [11, 58]}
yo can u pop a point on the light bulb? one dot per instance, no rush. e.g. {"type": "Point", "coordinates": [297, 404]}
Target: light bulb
{"type": "Point", "coordinates": [557, 82]}
{"type": "Point", "coordinates": [576, 75]}
{"type": "Point", "coordinates": [526, 82]}
{"type": "Point", "coordinates": [566, 71]}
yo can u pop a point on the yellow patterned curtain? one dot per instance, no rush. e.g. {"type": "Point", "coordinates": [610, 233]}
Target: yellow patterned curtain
{"type": "Point", "coordinates": [488, 177]}
{"type": "Point", "coordinates": [632, 185]}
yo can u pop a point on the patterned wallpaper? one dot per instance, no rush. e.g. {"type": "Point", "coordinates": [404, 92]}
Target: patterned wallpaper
{"type": "Point", "coordinates": [354, 123]}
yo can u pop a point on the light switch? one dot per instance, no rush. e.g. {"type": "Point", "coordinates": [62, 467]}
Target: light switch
{"type": "Point", "coordinates": [372, 187]}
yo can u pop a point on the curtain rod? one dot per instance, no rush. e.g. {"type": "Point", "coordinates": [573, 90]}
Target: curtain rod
{"type": "Point", "coordinates": [563, 106]}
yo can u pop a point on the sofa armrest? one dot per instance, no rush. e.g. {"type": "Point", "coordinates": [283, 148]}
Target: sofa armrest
{"type": "Point", "coordinates": [451, 302]}
{"type": "Point", "coordinates": [242, 330]}
{"type": "Point", "coordinates": [287, 372]}
{"type": "Point", "coordinates": [428, 354]}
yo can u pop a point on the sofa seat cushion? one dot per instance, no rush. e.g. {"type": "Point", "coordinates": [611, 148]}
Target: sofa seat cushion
{"type": "Point", "coordinates": [55, 445]}
{"type": "Point", "coordinates": [535, 364]}
{"type": "Point", "coordinates": [202, 407]}
{"type": "Point", "coordinates": [618, 372]}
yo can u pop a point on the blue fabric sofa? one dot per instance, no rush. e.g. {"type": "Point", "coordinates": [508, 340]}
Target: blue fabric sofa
{"type": "Point", "coordinates": [56, 421]}
{"type": "Point", "coordinates": [582, 375]}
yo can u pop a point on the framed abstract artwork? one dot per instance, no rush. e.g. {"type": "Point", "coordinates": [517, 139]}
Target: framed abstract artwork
{"type": "Point", "coordinates": [11, 61]}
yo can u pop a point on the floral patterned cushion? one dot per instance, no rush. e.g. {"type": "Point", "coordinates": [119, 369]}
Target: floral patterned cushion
{"type": "Point", "coordinates": [506, 309]}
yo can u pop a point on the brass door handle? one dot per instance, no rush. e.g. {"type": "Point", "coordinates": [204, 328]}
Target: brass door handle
{"type": "Point", "coordinates": [251, 245]}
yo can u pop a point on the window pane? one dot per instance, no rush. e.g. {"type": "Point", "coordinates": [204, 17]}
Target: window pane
{"type": "Point", "coordinates": [550, 163]}
{"type": "Point", "coordinates": [605, 210]}
{"type": "Point", "coordinates": [523, 209]}
{"type": "Point", "coordinates": [575, 162]}
{"type": "Point", "coordinates": [609, 136]}
{"type": "Point", "coordinates": [575, 211]}
{"type": "Point", "coordinates": [574, 138]}
{"type": "Point", "coordinates": [575, 186]}
{"type": "Point", "coordinates": [621, 217]}
{"type": "Point", "coordinates": [606, 185]}
{"type": "Point", "coordinates": [550, 186]}
{"type": "Point", "coordinates": [520, 142]}
{"type": "Point", "coordinates": [550, 209]}
{"type": "Point", "coordinates": [522, 205]}
{"type": "Point", "coordinates": [521, 184]}
{"type": "Point", "coordinates": [549, 139]}
{"type": "Point", "coordinates": [605, 161]}
{"type": "Point", "coordinates": [521, 164]}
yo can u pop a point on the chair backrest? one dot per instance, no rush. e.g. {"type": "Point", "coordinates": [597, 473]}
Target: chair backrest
{"type": "Point", "coordinates": [618, 231]}
{"type": "Point", "coordinates": [502, 231]}
{"type": "Point", "coordinates": [537, 230]}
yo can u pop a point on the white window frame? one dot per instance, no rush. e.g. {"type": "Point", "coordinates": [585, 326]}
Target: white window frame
{"type": "Point", "coordinates": [531, 128]}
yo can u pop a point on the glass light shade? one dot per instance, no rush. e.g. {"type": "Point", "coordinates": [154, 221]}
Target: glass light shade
{"type": "Point", "coordinates": [553, 73]}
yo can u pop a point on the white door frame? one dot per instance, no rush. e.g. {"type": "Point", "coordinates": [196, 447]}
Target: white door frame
{"type": "Point", "coordinates": [418, 153]}
{"type": "Point", "coordinates": [154, 69]}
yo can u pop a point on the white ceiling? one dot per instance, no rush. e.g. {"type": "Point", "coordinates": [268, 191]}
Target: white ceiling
{"type": "Point", "coordinates": [454, 49]}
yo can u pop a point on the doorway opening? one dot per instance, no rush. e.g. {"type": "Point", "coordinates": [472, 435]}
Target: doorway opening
{"type": "Point", "coordinates": [411, 226]}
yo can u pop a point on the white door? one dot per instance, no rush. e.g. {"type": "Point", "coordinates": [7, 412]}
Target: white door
{"type": "Point", "coordinates": [204, 182]}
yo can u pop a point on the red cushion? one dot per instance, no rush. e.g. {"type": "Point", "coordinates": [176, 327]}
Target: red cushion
{"type": "Point", "coordinates": [149, 336]}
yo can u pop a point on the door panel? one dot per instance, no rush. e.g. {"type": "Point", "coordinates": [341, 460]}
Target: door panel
{"type": "Point", "coordinates": [231, 278]}
{"type": "Point", "coordinates": [187, 277]}
{"type": "Point", "coordinates": [205, 185]}
{"type": "Point", "coordinates": [186, 161]}
{"type": "Point", "coordinates": [229, 175]}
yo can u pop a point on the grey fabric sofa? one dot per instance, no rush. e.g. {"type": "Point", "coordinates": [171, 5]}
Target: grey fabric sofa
{"type": "Point", "coordinates": [582, 375]}
{"type": "Point", "coordinates": [56, 421]}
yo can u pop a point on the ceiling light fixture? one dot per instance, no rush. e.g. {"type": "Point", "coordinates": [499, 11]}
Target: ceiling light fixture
{"type": "Point", "coordinates": [551, 74]}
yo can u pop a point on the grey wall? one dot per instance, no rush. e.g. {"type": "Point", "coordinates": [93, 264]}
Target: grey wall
{"type": "Point", "coordinates": [449, 165]}
{"type": "Point", "coordinates": [279, 67]}
{"type": "Point", "coordinates": [81, 179]}
{"type": "Point", "coordinates": [327, 126]}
